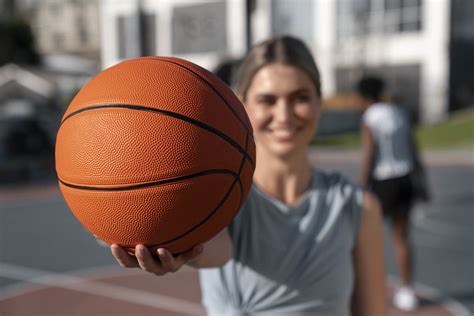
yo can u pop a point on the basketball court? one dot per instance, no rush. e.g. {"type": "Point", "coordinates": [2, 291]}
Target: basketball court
{"type": "Point", "coordinates": [132, 292]}
{"type": "Point", "coordinates": [51, 266]}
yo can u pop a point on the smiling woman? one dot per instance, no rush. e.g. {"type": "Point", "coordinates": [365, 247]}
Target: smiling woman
{"type": "Point", "coordinates": [302, 241]}
{"type": "Point", "coordinates": [305, 242]}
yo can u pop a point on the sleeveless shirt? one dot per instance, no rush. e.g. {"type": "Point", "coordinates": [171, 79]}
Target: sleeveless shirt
{"type": "Point", "coordinates": [391, 131]}
{"type": "Point", "coordinates": [289, 260]}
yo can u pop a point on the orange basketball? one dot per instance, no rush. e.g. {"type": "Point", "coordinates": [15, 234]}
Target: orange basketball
{"type": "Point", "coordinates": [155, 151]}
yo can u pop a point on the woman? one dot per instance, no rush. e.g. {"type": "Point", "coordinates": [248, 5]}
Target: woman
{"type": "Point", "coordinates": [305, 242]}
{"type": "Point", "coordinates": [390, 161]}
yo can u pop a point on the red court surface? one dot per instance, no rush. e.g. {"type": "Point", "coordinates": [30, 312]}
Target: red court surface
{"type": "Point", "coordinates": [132, 292]}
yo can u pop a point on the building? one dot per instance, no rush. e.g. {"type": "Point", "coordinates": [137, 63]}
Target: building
{"type": "Point", "coordinates": [65, 26]}
{"type": "Point", "coordinates": [413, 44]}
{"type": "Point", "coordinates": [201, 31]}
{"type": "Point", "coordinates": [423, 48]}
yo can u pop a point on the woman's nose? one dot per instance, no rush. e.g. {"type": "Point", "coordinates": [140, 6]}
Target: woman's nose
{"type": "Point", "coordinates": [283, 111]}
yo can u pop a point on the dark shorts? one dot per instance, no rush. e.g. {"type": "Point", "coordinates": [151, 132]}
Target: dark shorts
{"type": "Point", "coordinates": [395, 195]}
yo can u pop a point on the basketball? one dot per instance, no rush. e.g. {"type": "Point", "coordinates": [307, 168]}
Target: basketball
{"type": "Point", "coordinates": [155, 151]}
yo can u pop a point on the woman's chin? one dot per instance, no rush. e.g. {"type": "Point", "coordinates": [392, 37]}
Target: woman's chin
{"type": "Point", "coordinates": [285, 150]}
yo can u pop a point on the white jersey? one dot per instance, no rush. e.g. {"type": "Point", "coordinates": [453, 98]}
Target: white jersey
{"type": "Point", "coordinates": [392, 137]}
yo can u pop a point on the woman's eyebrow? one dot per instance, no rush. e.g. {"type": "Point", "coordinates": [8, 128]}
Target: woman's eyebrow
{"type": "Point", "coordinates": [299, 91]}
{"type": "Point", "coordinates": [291, 94]}
{"type": "Point", "coordinates": [265, 95]}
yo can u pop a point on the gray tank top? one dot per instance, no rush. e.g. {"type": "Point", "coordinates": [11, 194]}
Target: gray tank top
{"type": "Point", "coordinates": [289, 260]}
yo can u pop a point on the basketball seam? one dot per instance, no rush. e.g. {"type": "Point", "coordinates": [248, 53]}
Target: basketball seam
{"type": "Point", "coordinates": [241, 167]}
{"type": "Point", "coordinates": [197, 123]}
{"type": "Point", "coordinates": [150, 184]}
{"type": "Point", "coordinates": [209, 85]}
{"type": "Point", "coordinates": [237, 179]}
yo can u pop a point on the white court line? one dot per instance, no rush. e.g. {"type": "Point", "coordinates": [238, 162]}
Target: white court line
{"type": "Point", "coordinates": [138, 297]}
{"type": "Point", "coordinates": [90, 273]}
{"type": "Point", "coordinates": [449, 304]}
{"type": "Point", "coordinates": [97, 288]}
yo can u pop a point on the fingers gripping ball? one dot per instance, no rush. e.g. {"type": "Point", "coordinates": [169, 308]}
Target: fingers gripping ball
{"type": "Point", "coordinates": [155, 151]}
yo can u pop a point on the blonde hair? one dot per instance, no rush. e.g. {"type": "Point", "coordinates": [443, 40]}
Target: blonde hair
{"type": "Point", "coordinates": [284, 49]}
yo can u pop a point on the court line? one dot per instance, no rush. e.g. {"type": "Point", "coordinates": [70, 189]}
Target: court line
{"type": "Point", "coordinates": [451, 305]}
{"type": "Point", "coordinates": [145, 298]}
{"type": "Point", "coordinates": [83, 285]}
{"type": "Point", "coordinates": [90, 273]}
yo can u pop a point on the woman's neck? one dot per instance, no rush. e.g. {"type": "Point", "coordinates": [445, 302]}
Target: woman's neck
{"type": "Point", "coordinates": [284, 179]}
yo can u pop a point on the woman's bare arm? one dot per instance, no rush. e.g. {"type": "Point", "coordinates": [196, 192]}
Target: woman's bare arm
{"type": "Point", "coordinates": [369, 291]}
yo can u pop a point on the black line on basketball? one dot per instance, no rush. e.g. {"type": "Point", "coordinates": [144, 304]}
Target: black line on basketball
{"type": "Point", "coordinates": [209, 85]}
{"type": "Point", "coordinates": [211, 129]}
{"type": "Point", "coordinates": [151, 184]}
{"type": "Point", "coordinates": [241, 167]}
{"type": "Point", "coordinates": [237, 179]}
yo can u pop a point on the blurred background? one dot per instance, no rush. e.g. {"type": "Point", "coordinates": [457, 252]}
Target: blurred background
{"type": "Point", "coordinates": [424, 49]}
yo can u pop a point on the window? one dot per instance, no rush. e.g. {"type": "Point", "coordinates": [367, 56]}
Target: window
{"type": "Point", "coordinates": [148, 34]}
{"type": "Point", "coordinates": [200, 28]}
{"type": "Point", "coordinates": [82, 33]}
{"type": "Point", "coordinates": [136, 35]}
{"type": "Point", "coordinates": [402, 16]}
{"type": "Point", "coordinates": [293, 18]}
{"type": "Point", "coordinates": [127, 39]}
{"type": "Point", "coordinates": [352, 18]}
{"type": "Point", "coordinates": [357, 18]}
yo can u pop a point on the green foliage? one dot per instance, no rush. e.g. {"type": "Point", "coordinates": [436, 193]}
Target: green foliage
{"type": "Point", "coordinates": [455, 132]}
{"type": "Point", "coordinates": [458, 131]}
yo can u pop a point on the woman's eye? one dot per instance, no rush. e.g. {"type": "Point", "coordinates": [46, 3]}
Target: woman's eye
{"type": "Point", "coordinates": [266, 101]}
{"type": "Point", "coordinates": [302, 98]}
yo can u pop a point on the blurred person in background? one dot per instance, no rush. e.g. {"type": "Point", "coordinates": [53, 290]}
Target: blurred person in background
{"type": "Point", "coordinates": [305, 242]}
{"type": "Point", "coordinates": [391, 168]}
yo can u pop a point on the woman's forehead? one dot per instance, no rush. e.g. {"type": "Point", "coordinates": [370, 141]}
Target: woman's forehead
{"type": "Point", "coordinates": [280, 78]}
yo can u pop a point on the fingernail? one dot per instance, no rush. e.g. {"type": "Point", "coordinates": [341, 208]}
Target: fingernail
{"type": "Point", "coordinates": [162, 253]}
{"type": "Point", "coordinates": [140, 249]}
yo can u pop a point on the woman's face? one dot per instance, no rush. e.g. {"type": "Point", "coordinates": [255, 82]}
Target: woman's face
{"type": "Point", "coordinates": [283, 108]}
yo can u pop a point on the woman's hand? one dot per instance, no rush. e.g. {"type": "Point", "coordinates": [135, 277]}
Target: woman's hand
{"type": "Point", "coordinates": [164, 263]}
{"type": "Point", "coordinates": [218, 252]}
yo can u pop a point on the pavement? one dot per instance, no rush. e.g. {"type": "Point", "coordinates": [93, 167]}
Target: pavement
{"type": "Point", "coordinates": [49, 264]}
{"type": "Point", "coordinates": [455, 157]}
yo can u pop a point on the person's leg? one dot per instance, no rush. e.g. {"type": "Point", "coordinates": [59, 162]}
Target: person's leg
{"type": "Point", "coordinates": [402, 245]}
{"type": "Point", "coordinates": [404, 297]}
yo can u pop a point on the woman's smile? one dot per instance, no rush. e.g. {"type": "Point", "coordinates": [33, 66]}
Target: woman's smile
{"type": "Point", "coordinates": [283, 134]}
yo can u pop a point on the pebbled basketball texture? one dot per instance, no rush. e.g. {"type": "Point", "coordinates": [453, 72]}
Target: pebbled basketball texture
{"type": "Point", "coordinates": [155, 151]}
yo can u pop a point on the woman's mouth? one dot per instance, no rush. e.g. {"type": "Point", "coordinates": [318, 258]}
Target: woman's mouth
{"type": "Point", "coordinates": [284, 134]}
